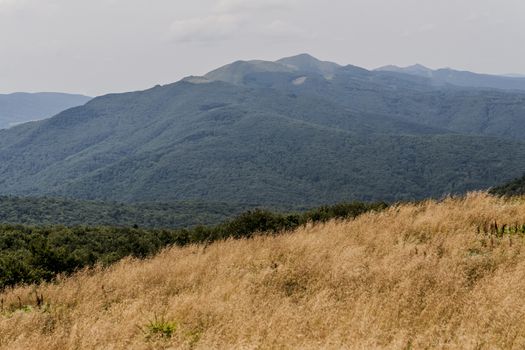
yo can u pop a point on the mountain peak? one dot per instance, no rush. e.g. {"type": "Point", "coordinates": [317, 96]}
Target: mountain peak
{"type": "Point", "coordinates": [388, 68]}
{"type": "Point", "coordinates": [303, 57]}
{"type": "Point", "coordinates": [416, 69]}
{"type": "Point", "coordinates": [235, 72]}
{"type": "Point", "coordinates": [418, 66]}
{"type": "Point", "coordinates": [307, 63]}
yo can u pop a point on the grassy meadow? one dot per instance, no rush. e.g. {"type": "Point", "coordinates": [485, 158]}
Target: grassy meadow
{"type": "Point", "coordinates": [413, 276]}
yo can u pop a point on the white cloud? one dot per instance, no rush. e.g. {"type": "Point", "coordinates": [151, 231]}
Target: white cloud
{"type": "Point", "coordinates": [204, 29]}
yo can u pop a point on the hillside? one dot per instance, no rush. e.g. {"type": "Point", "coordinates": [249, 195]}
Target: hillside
{"type": "Point", "coordinates": [388, 99]}
{"type": "Point", "coordinates": [33, 254]}
{"type": "Point", "coordinates": [515, 187]}
{"type": "Point", "coordinates": [68, 212]}
{"type": "Point", "coordinates": [450, 76]}
{"type": "Point", "coordinates": [414, 276]}
{"type": "Point", "coordinates": [291, 133]}
{"type": "Point", "coordinates": [20, 107]}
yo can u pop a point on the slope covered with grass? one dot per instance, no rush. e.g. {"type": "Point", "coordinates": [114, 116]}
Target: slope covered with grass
{"type": "Point", "coordinates": [32, 254]}
{"type": "Point", "coordinates": [415, 276]}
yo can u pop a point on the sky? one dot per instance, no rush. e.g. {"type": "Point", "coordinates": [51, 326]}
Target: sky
{"type": "Point", "coordinates": [96, 47]}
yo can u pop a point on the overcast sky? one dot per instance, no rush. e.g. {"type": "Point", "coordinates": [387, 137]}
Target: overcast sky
{"type": "Point", "coordinates": [100, 46]}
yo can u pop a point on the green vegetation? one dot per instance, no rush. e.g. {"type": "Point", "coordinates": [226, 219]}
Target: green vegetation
{"type": "Point", "coordinates": [447, 76]}
{"type": "Point", "coordinates": [159, 327]}
{"type": "Point", "coordinates": [32, 254]}
{"type": "Point", "coordinates": [515, 187]}
{"type": "Point", "coordinates": [68, 212]}
{"type": "Point", "coordinates": [357, 135]}
{"type": "Point", "coordinates": [499, 230]}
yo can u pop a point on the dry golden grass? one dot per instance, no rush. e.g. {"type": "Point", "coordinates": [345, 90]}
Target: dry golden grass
{"type": "Point", "coordinates": [414, 276]}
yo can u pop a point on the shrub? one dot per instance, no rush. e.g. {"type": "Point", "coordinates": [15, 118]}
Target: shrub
{"type": "Point", "coordinates": [35, 254]}
{"type": "Point", "coordinates": [159, 327]}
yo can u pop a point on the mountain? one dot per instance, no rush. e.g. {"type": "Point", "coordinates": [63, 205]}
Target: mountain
{"type": "Point", "coordinates": [416, 69]}
{"type": "Point", "coordinates": [237, 72]}
{"type": "Point", "coordinates": [514, 75]}
{"type": "Point", "coordinates": [23, 107]}
{"type": "Point", "coordinates": [382, 98]}
{"type": "Point", "coordinates": [234, 73]}
{"type": "Point", "coordinates": [281, 134]}
{"type": "Point", "coordinates": [308, 63]}
{"type": "Point", "coordinates": [446, 76]}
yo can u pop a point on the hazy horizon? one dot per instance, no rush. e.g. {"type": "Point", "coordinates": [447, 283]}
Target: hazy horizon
{"type": "Point", "coordinates": [104, 46]}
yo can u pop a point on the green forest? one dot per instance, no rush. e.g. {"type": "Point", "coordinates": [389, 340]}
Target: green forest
{"type": "Point", "coordinates": [31, 254]}
{"type": "Point", "coordinates": [362, 135]}
{"type": "Point", "coordinates": [71, 212]}
{"type": "Point", "coordinates": [515, 187]}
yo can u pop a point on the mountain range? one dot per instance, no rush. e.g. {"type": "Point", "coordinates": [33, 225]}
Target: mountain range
{"type": "Point", "coordinates": [448, 76]}
{"type": "Point", "coordinates": [22, 107]}
{"type": "Point", "coordinates": [294, 132]}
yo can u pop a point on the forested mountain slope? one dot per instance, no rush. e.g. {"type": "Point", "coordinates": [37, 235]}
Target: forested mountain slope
{"type": "Point", "coordinates": [515, 187]}
{"type": "Point", "coordinates": [67, 212]}
{"type": "Point", "coordinates": [294, 132]}
{"type": "Point", "coordinates": [450, 76]}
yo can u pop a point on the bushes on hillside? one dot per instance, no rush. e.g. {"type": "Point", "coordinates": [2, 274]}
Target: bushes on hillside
{"type": "Point", "coordinates": [515, 187]}
{"type": "Point", "coordinates": [34, 254]}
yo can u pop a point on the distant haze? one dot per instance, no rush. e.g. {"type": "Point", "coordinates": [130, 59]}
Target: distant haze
{"type": "Point", "coordinates": [100, 46]}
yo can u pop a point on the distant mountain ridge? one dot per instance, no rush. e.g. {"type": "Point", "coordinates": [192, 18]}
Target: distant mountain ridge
{"type": "Point", "coordinates": [295, 132]}
{"type": "Point", "coordinates": [450, 76]}
{"type": "Point", "coordinates": [444, 106]}
{"type": "Point", "coordinates": [305, 63]}
{"type": "Point", "coordinates": [23, 107]}
{"type": "Point", "coordinates": [416, 69]}
{"type": "Point", "coordinates": [308, 63]}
